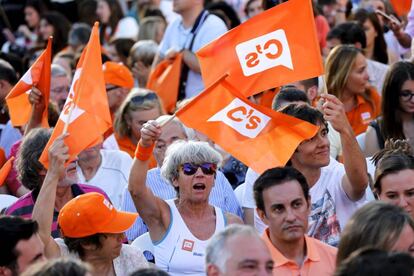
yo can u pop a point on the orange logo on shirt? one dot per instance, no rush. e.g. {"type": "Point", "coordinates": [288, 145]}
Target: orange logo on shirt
{"type": "Point", "coordinates": [188, 245]}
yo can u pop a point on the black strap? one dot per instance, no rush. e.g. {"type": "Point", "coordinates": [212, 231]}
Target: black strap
{"type": "Point", "coordinates": [376, 125]}
{"type": "Point", "coordinates": [184, 67]}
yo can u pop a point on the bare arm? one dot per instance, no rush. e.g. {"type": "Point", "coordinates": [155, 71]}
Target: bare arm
{"type": "Point", "coordinates": [233, 219]}
{"type": "Point", "coordinates": [38, 106]}
{"type": "Point", "coordinates": [153, 210]}
{"type": "Point", "coordinates": [45, 203]}
{"type": "Point", "coordinates": [355, 180]}
{"type": "Point", "coordinates": [191, 60]}
{"type": "Point", "coordinates": [371, 142]}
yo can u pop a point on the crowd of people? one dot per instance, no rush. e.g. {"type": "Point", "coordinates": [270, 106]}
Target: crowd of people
{"type": "Point", "coordinates": [155, 197]}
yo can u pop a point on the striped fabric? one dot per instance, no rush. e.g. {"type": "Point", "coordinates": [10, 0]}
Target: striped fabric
{"type": "Point", "coordinates": [222, 196]}
{"type": "Point", "coordinates": [23, 207]}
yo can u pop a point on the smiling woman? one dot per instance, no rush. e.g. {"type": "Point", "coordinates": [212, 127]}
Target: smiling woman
{"type": "Point", "coordinates": [179, 228]}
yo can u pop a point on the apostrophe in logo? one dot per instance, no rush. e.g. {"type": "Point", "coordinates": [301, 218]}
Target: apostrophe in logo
{"type": "Point", "coordinates": [264, 52]}
{"type": "Point", "coordinates": [188, 245]}
{"type": "Point", "coordinates": [108, 204]}
{"type": "Point", "coordinates": [242, 118]}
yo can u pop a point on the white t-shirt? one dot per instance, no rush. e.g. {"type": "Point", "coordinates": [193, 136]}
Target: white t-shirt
{"type": "Point", "coordinates": [178, 38]}
{"type": "Point", "coordinates": [112, 175]}
{"type": "Point", "coordinates": [331, 207]}
{"type": "Point", "coordinates": [129, 261]}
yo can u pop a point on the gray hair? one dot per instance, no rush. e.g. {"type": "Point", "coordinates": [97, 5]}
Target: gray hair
{"type": "Point", "coordinates": [27, 161]}
{"type": "Point", "coordinates": [58, 71]}
{"type": "Point", "coordinates": [181, 152]}
{"type": "Point", "coordinates": [144, 51]}
{"type": "Point", "coordinates": [217, 252]}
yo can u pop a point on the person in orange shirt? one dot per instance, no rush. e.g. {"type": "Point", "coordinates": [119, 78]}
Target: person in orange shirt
{"type": "Point", "coordinates": [347, 78]}
{"type": "Point", "coordinates": [140, 106]}
{"type": "Point", "coordinates": [283, 203]}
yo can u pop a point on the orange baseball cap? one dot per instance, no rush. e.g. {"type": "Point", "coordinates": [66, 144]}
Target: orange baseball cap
{"type": "Point", "coordinates": [117, 74]}
{"type": "Point", "coordinates": [92, 213]}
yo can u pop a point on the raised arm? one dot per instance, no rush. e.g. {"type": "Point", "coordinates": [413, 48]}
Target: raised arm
{"type": "Point", "coordinates": [355, 180]}
{"type": "Point", "coordinates": [153, 210]}
{"type": "Point", "coordinates": [38, 106]}
{"type": "Point", "coordinates": [45, 203]}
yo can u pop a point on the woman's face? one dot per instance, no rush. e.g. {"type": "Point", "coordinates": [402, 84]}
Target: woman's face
{"type": "Point", "coordinates": [254, 8]}
{"type": "Point", "coordinates": [46, 29]}
{"type": "Point", "coordinates": [138, 118]}
{"type": "Point", "coordinates": [358, 76]}
{"type": "Point", "coordinates": [398, 189]}
{"type": "Point", "coordinates": [370, 32]}
{"type": "Point", "coordinates": [194, 183]}
{"type": "Point", "coordinates": [31, 16]}
{"type": "Point", "coordinates": [103, 11]}
{"type": "Point", "coordinates": [405, 97]}
{"type": "Point", "coordinates": [405, 242]}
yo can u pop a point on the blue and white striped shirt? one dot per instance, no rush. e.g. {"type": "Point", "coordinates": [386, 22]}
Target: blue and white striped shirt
{"type": "Point", "coordinates": [221, 195]}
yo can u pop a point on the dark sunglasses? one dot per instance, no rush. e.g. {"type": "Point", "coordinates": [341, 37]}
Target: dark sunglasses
{"type": "Point", "coordinates": [206, 168]}
{"type": "Point", "coordinates": [139, 99]}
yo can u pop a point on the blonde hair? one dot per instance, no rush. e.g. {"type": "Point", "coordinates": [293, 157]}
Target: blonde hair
{"type": "Point", "coordinates": [120, 124]}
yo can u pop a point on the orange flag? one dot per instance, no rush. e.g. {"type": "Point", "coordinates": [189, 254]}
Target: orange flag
{"type": "Point", "coordinates": [5, 170]}
{"type": "Point", "coordinates": [164, 80]}
{"type": "Point", "coordinates": [401, 7]}
{"type": "Point", "coordinates": [86, 112]}
{"type": "Point", "coordinates": [273, 48]}
{"type": "Point", "coordinates": [38, 75]}
{"type": "Point", "coordinates": [259, 137]}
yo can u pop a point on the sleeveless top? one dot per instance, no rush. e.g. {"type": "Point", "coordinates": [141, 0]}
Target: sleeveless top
{"type": "Point", "coordinates": [179, 252]}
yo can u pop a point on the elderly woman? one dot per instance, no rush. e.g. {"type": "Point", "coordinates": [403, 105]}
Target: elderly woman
{"type": "Point", "coordinates": [179, 228]}
{"type": "Point", "coordinates": [139, 106]}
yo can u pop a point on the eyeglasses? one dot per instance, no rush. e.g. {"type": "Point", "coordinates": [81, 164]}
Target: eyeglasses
{"type": "Point", "coordinates": [406, 95]}
{"type": "Point", "coordinates": [111, 88]}
{"type": "Point", "coordinates": [206, 168]}
{"type": "Point", "coordinates": [139, 99]}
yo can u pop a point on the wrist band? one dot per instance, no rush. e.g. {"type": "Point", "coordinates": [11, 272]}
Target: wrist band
{"type": "Point", "coordinates": [144, 153]}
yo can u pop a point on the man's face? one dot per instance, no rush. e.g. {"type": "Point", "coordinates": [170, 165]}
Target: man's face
{"type": "Point", "coordinates": [30, 251]}
{"type": "Point", "coordinates": [116, 96]}
{"type": "Point", "coordinates": [170, 133]}
{"type": "Point", "coordinates": [59, 90]}
{"type": "Point", "coordinates": [314, 152]}
{"type": "Point", "coordinates": [249, 256]}
{"type": "Point", "coordinates": [180, 6]}
{"type": "Point", "coordinates": [286, 212]}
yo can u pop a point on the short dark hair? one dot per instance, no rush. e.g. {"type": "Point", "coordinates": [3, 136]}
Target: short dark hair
{"type": "Point", "coordinates": [76, 244]}
{"type": "Point", "coordinates": [12, 230]}
{"type": "Point", "coordinates": [60, 267]}
{"type": "Point", "coordinates": [305, 112]}
{"type": "Point", "coordinates": [289, 94]}
{"type": "Point", "coordinates": [7, 72]}
{"type": "Point", "coordinates": [348, 33]}
{"type": "Point", "coordinates": [277, 176]}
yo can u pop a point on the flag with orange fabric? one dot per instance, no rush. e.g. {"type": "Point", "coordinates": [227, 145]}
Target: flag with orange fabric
{"type": "Point", "coordinates": [85, 115]}
{"type": "Point", "coordinates": [5, 170]}
{"type": "Point", "coordinates": [257, 136]}
{"type": "Point", "coordinates": [401, 7]}
{"type": "Point", "coordinates": [276, 47]}
{"type": "Point", "coordinates": [164, 80]}
{"type": "Point", "coordinates": [38, 75]}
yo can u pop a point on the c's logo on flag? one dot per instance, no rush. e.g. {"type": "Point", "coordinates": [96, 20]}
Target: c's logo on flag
{"type": "Point", "coordinates": [70, 104]}
{"type": "Point", "coordinates": [264, 52]}
{"type": "Point", "coordinates": [242, 118]}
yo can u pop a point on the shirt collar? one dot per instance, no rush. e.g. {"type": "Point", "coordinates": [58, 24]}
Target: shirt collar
{"type": "Point", "coordinates": [280, 259]}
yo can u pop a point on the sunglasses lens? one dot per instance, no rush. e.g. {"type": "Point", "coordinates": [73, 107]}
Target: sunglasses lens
{"type": "Point", "coordinates": [206, 168]}
{"type": "Point", "coordinates": [189, 169]}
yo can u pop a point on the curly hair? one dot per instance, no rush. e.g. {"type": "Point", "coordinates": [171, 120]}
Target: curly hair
{"type": "Point", "coordinates": [27, 162]}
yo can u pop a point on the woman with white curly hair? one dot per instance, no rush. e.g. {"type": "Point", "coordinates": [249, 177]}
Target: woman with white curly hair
{"type": "Point", "coordinates": [181, 228]}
